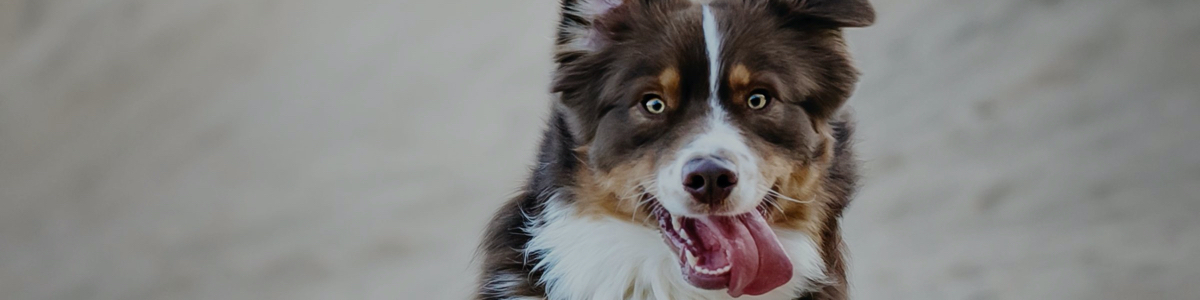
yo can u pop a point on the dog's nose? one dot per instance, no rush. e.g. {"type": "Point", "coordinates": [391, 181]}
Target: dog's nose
{"type": "Point", "coordinates": [708, 180]}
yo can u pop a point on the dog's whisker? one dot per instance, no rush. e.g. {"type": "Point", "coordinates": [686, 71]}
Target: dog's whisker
{"type": "Point", "coordinates": [640, 190]}
{"type": "Point", "coordinates": [781, 196]}
{"type": "Point", "coordinates": [635, 212]}
{"type": "Point", "coordinates": [773, 201]}
{"type": "Point", "coordinates": [647, 198]}
{"type": "Point", "coordinates": [776, 205]}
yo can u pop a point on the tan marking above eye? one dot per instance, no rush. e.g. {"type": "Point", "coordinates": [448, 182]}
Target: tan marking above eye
{"type": "Point", "coordinates": [668, 82]}
{"type": "Point", "coordinates": [740, 84]}
{"type": "Point", "coordinates": [739, 77]}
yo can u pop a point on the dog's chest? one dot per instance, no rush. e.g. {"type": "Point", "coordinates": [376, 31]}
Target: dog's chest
{"type": "Point", "coordinates": [591, 257]}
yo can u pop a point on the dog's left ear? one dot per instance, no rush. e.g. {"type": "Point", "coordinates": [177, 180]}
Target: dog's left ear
{"type": "Point", "coordinates": [586, 26]}
{"type": "Point", "coordinates": [839, 13]}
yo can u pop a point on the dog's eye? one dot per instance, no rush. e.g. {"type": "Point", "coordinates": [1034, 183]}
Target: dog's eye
{"type": "Point", "coordinates": [654, 104]}
{"type": "Point", "coordinates": [758, 100]}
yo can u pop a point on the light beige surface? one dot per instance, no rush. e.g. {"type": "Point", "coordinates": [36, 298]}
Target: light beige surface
{"type": "Point", "coordinates": [304, 149]}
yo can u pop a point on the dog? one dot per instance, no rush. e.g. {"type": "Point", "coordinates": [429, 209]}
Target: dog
{"type": "Point", "coordinates": [695, 150]}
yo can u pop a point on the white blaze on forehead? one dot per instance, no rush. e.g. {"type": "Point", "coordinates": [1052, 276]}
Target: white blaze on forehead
{"type": "Point", "coordinates": [717, 124]}
{"type": "Point", "coordinates": [712, 48]}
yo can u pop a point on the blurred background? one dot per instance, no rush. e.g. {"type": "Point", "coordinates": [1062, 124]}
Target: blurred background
{"type": "Point", "coordinates": [354, 149]}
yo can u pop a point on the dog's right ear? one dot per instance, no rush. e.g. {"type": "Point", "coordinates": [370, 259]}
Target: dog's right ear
{"type": "Point", "coordinates": [839, 13]}
{"type": "Point", "coordinates": [587, 26]}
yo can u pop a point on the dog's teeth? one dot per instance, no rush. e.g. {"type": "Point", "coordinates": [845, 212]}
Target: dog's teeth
{"type": "Point", "coordinates": [677, 223]}
{"type": "Point", "coordinates": [703, 270]}
{"type": "Point", "coordinates": [693, 262]}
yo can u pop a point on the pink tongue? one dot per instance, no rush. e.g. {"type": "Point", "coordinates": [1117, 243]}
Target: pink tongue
{"type": "Point", "coordinates": [758, 263]}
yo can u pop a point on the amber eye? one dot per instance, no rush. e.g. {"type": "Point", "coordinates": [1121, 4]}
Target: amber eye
{"type": "Point", "coordinates": [654, 104]}
{"type": "Point", "coordinates": [758, 100]}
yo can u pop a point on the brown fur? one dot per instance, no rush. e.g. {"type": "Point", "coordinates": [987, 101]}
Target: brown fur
{"type": "Point", "coordinates": [616, 192]}
{"type": "Point", "coordinates": [668, 83]}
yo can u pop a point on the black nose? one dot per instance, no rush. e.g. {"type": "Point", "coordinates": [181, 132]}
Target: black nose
{"type": "Point", "coordinates": [708, 180]}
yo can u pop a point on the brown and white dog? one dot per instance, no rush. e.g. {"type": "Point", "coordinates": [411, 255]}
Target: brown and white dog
{"type": "Point", "coordinates": [695, 151]}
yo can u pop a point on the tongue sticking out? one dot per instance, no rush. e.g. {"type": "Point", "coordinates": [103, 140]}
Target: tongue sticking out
{"type": "Point", "coordinates": [755, 257]}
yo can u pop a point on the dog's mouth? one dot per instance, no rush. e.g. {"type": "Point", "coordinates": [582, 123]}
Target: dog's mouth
{"type": "Point", "coordinates": [739, 253]}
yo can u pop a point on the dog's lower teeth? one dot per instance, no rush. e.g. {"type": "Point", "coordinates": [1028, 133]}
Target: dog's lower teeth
{"type": "Point", "coordinates": [693, 262]}
{"type": "Point", "coordinates": [702, 270]}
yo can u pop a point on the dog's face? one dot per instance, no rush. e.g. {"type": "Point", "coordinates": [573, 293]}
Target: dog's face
{"type": "Point", "coordinates": [710, 118]}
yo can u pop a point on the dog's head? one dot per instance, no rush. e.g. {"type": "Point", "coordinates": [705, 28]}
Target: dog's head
{"type": "Point", "coordinates": [710, 117]}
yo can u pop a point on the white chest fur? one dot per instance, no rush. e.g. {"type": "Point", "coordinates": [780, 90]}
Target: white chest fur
{"type": "Point", "coordinates": [601, 258]}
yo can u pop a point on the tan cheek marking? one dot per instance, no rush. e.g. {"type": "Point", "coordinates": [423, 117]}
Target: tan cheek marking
{"type": "Point", "coordinates": [804, 185]}
{"type": "Point", "coordinates": [804, 182]}
{"type": "Point", "coordinates": [668, 80]}
{"type": "Point", "coordinates": [615, 193]}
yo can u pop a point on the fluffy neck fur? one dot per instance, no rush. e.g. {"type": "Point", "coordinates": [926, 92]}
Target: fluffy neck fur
{"type": "Point", "coordinates": [599, 257]}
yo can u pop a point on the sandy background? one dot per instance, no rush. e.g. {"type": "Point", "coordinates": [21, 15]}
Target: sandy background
{"type": "Point", "coordinates": [303, 149]}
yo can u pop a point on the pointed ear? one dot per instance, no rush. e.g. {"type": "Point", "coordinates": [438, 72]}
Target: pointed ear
{"type": "Point", "coordinates": [840, 13]}
{"type": "Point", "coordinates": [586, 26]}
